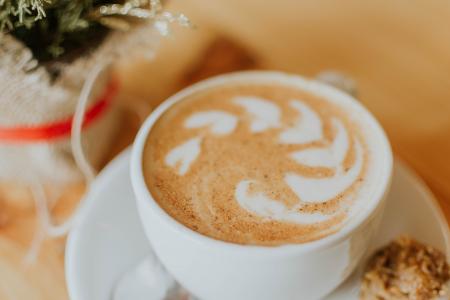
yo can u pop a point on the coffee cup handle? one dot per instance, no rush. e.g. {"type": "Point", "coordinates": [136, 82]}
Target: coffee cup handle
{"type": "Point", "coordinates": [338, 80]}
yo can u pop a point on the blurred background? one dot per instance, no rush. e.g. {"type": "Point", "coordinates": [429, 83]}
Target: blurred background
{"type": "Point", "coordinates": [397, 51]}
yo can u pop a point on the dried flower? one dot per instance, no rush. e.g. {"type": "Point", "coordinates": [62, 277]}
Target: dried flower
{"type": "Point", "coordinates": [51, 28]}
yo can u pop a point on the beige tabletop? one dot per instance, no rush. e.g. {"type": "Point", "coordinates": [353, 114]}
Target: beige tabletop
{"type": "Point", "coordinates": [398, 52]}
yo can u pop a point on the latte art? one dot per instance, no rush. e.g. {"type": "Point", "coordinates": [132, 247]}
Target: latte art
{"type": "Point", "coordinates": [258, 164]}
{"type": "Point", "coordinates": [308, 127]}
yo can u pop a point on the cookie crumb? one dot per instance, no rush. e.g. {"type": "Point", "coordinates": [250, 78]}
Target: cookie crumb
{"type": "Point", "coordinates": [406, 269]}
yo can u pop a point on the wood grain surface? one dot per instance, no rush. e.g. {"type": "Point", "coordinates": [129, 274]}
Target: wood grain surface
{"type": "Point", "coordinates": [398, 51]}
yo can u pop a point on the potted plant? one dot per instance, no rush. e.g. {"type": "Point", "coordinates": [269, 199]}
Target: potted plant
{"type": "Point", "coordinates": [57, 112]}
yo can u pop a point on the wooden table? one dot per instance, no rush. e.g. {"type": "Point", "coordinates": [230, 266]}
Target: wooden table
{"type": "Point", "coordinates": [398, 51]}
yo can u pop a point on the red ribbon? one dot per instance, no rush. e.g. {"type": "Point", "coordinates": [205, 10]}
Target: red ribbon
{"type": "Point", "coordinates": [54, 130]}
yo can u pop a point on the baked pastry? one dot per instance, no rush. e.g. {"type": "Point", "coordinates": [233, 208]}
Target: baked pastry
{"type": "Point", "coordinates": [406, 269]}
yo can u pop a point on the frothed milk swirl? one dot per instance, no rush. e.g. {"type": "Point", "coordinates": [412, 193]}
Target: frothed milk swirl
{"type": "Point", "coordinates": [260, 163]}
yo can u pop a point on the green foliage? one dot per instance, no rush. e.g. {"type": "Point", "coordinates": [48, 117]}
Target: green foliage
{"type": "Point", "coordinates": [52, 27]}
{"type": "Point", "coordinates": [62, 30]}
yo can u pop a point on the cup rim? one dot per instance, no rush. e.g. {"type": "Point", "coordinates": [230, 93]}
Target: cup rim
{"type": "Point", "coordinates": [144, 196]}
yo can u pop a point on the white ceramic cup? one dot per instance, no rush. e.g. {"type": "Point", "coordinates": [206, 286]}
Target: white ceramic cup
{"type": "Point", "coordinates": [217, 270]}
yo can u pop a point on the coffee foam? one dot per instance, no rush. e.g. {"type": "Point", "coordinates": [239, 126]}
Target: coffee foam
{"type": "Point", "coordinates": [257, 164]}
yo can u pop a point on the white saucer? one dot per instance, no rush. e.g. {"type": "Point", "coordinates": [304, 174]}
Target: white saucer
{"type": "Point", "coordinates": [110, 239]}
